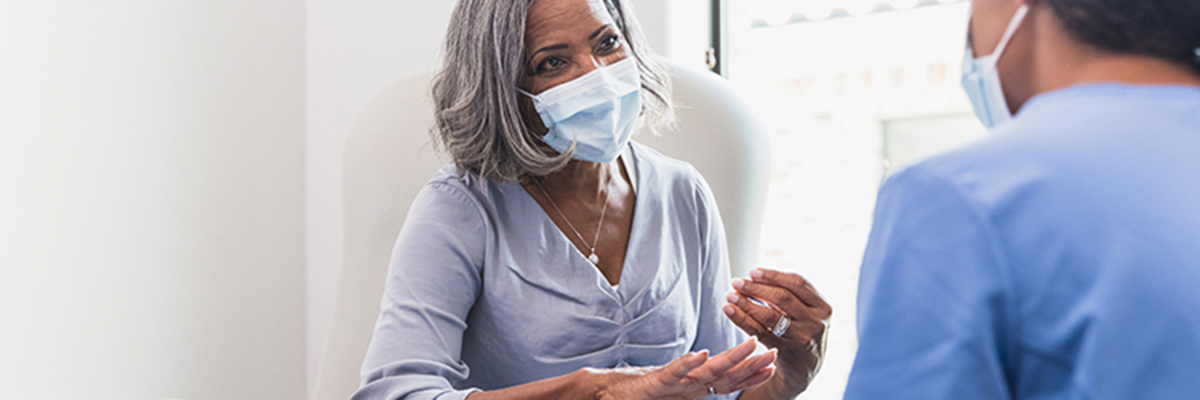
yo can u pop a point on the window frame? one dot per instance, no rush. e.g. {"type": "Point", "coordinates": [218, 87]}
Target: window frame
{"type": "Point", "coordinates": [719, 40]}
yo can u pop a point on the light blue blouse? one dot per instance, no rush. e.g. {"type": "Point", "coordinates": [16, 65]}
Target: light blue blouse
{"type": "Point", "coordinates": [485, 292]}
{"type": "Point", "coordinates": [1057, 259]}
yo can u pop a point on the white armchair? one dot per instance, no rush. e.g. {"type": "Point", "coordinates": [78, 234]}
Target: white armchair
{"type": "Point", "coordinates": [389, 157]}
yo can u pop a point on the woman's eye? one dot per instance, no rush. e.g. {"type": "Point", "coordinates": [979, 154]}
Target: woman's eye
{"type": "Point", "coordinates": [549, 64]}
{"type": "Point", "coordinates": [610, 42]}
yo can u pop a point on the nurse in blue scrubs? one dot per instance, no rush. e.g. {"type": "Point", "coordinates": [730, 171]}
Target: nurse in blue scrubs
{"type": "Point", "coordinates": [1060, 257]}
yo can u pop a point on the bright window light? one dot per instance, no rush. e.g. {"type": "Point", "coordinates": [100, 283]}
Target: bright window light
{"type": "Point", "coordinates": [903, 4]}
{"type": "Point", "coordinates": [858, 8]}
{"type": "Point", "coordinates": [847, 100]}
{"type": "Point", "coordinates": [816, 10]}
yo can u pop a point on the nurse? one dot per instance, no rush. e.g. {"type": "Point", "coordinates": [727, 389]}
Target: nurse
{"type": "Point", "coordinates": [557, 259]}
{"type": "Point", "coordinates": [1060, 257]}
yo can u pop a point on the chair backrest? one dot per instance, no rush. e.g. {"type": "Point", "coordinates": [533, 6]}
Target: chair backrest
{"type": "Point", "coordinates": [389, 158]}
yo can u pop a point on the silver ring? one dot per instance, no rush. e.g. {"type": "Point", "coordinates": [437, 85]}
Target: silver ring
{"type": "Point", "coordinates": [711, 391]}
{"type": "Point", "coordinates": [781, 327]}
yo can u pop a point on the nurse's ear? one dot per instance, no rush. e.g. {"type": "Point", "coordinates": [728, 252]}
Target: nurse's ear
{"type": "Point", "coordinates": [988, 20]}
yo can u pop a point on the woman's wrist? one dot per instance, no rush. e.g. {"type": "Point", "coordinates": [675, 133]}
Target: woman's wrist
{"type": "Point", "coordinates": [587, 383]}
{"type": "Point", "coordinates": [780, 386]}
{"type": "Point", "coordinates": [581, 384]}
{"type": "Point", "coordinates": [790, 384]}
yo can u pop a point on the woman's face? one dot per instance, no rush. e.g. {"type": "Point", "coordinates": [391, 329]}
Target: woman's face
{"type": "Point", "coordinates": [566, 39]}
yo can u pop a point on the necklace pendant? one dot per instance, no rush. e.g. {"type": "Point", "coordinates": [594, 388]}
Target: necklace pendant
{"type": "Point", "coordinates": [595, 259]}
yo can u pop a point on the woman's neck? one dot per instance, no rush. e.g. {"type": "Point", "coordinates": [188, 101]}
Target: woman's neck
{"type": "Point", "coordinates": [581, 180]}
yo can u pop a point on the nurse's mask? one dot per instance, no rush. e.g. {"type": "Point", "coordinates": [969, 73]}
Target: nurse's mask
{"type": "Point", "coordinates": [981, 79]}
{"type": "Point", "coordinates": [596, 112]}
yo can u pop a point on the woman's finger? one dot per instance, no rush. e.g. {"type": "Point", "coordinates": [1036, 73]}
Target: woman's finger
{"type": "Point", "coordinates": [776, 296]}
{"type": "Point", "coordinates": [750, 325]}
{"type": "Point", "coordinates": [800, 287]}
{"type": "Point", "coordinates": [764, 315]}
{"type": "Point", "coordinates": [680, 368]}
{"type": "Point", "coordinates": [719, 364]}
{"type": "Point", "coordinates": [758, 378]}
{"type": "Point", "coordinates": [743, 370]}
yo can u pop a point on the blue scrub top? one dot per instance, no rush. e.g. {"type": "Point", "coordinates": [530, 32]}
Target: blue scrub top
{"type": "Point", "coordinates": [1057, 259]}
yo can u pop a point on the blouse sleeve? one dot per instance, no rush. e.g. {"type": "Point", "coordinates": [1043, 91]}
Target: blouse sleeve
{"type": "Point", "coordinates": [714, 332]}
{"type": "Point", "coordinates": [432, 283]}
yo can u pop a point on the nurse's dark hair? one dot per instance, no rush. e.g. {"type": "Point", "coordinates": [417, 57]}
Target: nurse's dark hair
{"type": "Point", "coordinates": [1166, 29]}
{"type": "Point", "coordinates": [476, 111]}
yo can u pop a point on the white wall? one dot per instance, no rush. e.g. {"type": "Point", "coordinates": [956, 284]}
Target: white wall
{"type": "Point", "coordinates": [355, 50]}
{"type": "Point", "coordinates": [151, 199]}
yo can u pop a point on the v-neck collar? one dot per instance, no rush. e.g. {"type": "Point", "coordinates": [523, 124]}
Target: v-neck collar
{"type": "Point", "coordinates": [620, 293]}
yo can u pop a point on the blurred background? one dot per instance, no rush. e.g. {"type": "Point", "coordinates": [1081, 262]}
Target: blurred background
{"type": "Point", "coordinates": [170, 172]}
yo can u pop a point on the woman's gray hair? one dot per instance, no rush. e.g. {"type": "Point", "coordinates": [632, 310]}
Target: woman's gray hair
{"type": "Point", "coordinates": [475, 96]}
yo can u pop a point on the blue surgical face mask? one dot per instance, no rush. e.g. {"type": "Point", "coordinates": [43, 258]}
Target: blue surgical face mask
{"type": "Point", "coordinates": [981, 80]}
{"type": "Point", "coordinates": [596, 113]}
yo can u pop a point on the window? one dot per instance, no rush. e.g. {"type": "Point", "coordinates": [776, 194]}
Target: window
{"type": "Point", "coordinates": [850, 91]}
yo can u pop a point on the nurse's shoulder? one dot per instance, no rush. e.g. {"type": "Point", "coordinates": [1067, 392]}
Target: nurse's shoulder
{"type": "Point", "coordinates": [1022, 153]}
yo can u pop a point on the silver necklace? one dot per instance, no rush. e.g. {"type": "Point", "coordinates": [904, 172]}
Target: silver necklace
{"type": "Point", "coordinates": [592, 257]}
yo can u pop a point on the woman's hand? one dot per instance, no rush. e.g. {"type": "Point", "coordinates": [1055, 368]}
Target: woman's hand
{"type": "Point", "coordinates": [802, 346]}
{"type": "Point", "coordinates": [689, 377]}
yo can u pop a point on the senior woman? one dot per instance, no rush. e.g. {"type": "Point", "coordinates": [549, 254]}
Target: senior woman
{"type": "Point", "coordinates": [558, 259]}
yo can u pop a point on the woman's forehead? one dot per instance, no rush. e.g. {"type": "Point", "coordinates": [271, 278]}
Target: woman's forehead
{"type": "Point", "coordinates": [559, 18]}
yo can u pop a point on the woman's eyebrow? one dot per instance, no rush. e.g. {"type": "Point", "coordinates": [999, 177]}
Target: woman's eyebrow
{"type": "Point", "coordinates": [599, 31]}
{"type": "Point", "coordinates": [564, 45]}
{"type": "Point", "coordinates": [548, 48]}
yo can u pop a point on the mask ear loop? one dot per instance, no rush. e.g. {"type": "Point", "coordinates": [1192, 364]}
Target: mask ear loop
{"type": "Point", "coordinates": [1012, 29]}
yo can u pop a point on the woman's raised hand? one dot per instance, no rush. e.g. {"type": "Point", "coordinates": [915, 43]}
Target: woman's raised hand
{"type": "Point", "coordinates": [689, 377]}
{"type": "Point", "coordinates": [802, 343]}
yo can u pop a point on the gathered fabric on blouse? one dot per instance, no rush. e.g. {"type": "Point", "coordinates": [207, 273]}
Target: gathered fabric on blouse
{"type": "Point", "coordinates": [485, 292]}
